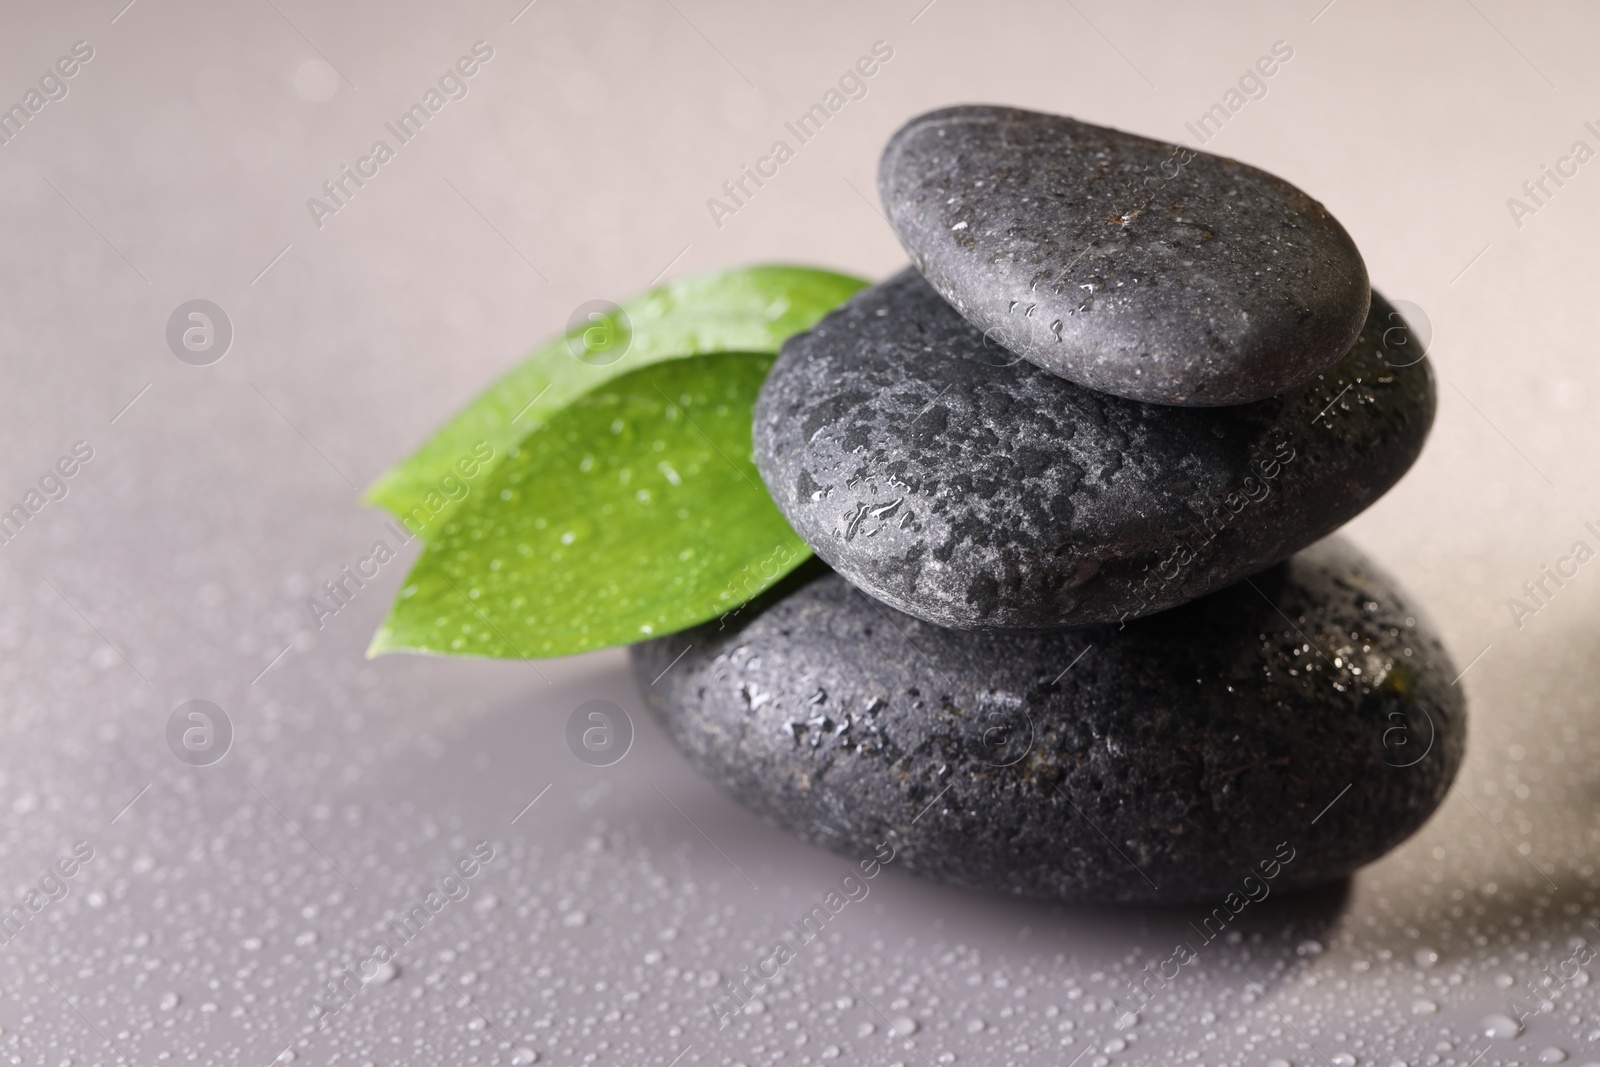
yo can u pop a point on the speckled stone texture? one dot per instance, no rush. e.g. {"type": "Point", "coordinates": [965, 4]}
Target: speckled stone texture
{"type": "Point", "coordinates": [1132, 266]}
{"type": "Point", "coordinates": [1162, 762]}
{"type": "Point", "coordinates": [967, 487]}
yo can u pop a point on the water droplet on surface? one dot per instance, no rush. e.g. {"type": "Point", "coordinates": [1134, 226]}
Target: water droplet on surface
{"type": "Point", "coordinates": [1500, 1027]}
{"type": "Point", "coordinates": [904, 1025]}
{"type": "Point", "coordinates": [315, 81]}
{"type": "Point", "coordinates": [1423, 1007]}
{"type": "Point", "coordinates": [1553, 1055]}
{"type": "Point", "coordinates": [1342, 1059]}
{"type": "Point", "coordinates": [169, 1001]}
{"type": "Point", "coordinates": [1280, 1062]}
{"type": "Point", "coordinates": [1425, 957]}
{"type": "Point", "coordinates": [523, 1056]}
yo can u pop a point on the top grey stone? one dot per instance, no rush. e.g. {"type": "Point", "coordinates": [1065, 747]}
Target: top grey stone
{"type": "Point", "coordinates": [1131, 266]}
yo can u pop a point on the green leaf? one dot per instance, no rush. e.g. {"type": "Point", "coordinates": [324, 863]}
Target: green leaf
{"type": "Point", "coordinates": [635, 511]}
{"type": "Point", "coordinates": [751, 309]}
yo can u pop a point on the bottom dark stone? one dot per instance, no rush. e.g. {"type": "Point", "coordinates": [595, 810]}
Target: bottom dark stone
{"type": "Point", "coordinates": [1278, 734]}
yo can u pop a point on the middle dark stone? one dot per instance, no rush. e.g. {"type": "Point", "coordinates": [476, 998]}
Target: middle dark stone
{"type": "Point", "coordinates": [943, 475]}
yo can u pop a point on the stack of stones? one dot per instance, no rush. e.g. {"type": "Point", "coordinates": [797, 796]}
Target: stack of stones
{"type": "Point", "coordinates": [1080, 635]}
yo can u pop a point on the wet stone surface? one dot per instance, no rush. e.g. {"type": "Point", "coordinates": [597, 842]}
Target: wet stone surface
{"type": "Point", "coordinates": [1133, 266]}
{"type": "Point", "coordinates": [967, 487]}
{"type": "Point", "coordinates": [1286, 730]}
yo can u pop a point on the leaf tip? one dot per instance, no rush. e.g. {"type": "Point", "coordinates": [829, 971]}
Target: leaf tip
{"type": "Point", "coordinates": [382, 643]}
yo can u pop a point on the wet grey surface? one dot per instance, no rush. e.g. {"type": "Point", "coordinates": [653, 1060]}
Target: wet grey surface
{"type": "Point", "coordinates": [221, 898]}
{"type": "Point", "coordinates": [1136, 267]}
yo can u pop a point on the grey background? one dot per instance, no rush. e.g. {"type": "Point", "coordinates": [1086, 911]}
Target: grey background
{"type": "Point", "coordinates": [578, 167]}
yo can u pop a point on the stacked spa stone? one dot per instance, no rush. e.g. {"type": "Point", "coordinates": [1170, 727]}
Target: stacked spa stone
{"type": "Point", "coordinates": [1079, 634]}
